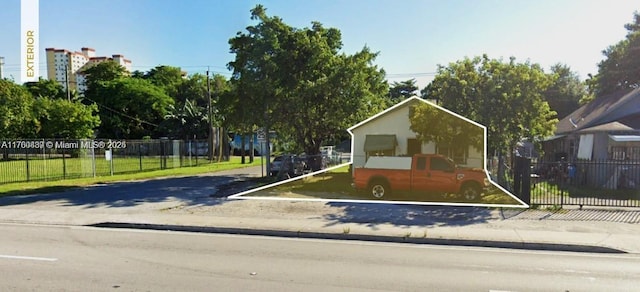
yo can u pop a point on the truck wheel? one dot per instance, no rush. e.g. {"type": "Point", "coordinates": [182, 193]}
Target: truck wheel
{"type": "Point", "coordinates": [470, 192]}
{"type": "Point", "coordinates": [379, 189]}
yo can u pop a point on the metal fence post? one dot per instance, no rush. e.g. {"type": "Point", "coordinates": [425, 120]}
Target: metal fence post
{"type": "Point", "coordinates": [64, 161]}
{"type": "Point", "coordinates": [140, 155]}
{"type": "Point", "coordinates": [26, 152]}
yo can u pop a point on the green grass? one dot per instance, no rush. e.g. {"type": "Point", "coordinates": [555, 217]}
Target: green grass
{"type": "Point", "coordinates": [549, 189]}
{"type": "Point", "coordinates": [32, 187]}
{"type": "Point", "coordinates": [336, 184]}
{"type": "Point", "coordinates": [59, 168]}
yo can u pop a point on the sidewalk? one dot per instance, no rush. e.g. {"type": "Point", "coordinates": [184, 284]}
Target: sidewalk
{"type": "Point", "coordinates": [594, 230]}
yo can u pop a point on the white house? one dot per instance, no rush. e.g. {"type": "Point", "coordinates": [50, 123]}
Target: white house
{"type": "Point", "coordinates": [389, 134]}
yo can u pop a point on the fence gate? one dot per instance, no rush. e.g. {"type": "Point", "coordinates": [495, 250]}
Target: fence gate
{"type": "Point", "coordinates": [522, 179]}
{"type": "Point", "coordinates": [585, 183]}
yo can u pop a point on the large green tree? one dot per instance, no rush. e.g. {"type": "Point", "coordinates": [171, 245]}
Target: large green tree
{"type": "Point", "coordinates": [60, 118]}
{"type": "Point", "coordinates": [17, 119]}
{"type": "Point", "coordinates": [299, 83]}
{"type": "Point", "coordinates": [621, 67]}
{"type": "Point", "coordinates": [132, 108]}
{"type": "Point", "coordinates": [438, 126]}
{"type": "Point", "coordinates": [566, 90]}
{"type": "Point", "coordinates": [49, 88]}
{"type": "Point", "coordinates": [166, 77]}
{"type": "Point", "coordinates": [506, 97]}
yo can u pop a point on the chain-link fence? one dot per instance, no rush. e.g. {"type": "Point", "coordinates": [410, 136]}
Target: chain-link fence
{"type": "Point", "coordinates": [53, 159]}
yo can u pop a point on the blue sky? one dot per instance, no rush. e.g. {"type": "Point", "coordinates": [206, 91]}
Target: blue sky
{"type": "Point", "coordinates": [412, 36]}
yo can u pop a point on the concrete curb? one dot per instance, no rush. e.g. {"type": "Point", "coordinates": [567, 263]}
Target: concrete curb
{"type": "Point", "coordinates": [365, 237]}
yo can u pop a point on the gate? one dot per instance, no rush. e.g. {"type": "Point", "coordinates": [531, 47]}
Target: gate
{"type": "Point", "coordinates": [585, 183]}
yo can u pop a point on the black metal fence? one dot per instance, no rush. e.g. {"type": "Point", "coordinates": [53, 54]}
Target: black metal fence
{"type": "Point", "coordinates": [42, 160]}
{"type": "Point", "coordinates": [608, 183]}
{"type": "Point", "coordinates": [586, 183]}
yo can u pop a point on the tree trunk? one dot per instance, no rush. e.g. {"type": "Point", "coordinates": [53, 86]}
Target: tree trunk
{"type": "Point", "coordinates": [242, 148]}
{"type": "Point", "coordinates": [251, 152]}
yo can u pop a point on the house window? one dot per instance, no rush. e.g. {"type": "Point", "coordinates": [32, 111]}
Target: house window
{"type": "Point", "coordinates": [624, 153]}
{"type": "Point", "coordinates": [458, 154]}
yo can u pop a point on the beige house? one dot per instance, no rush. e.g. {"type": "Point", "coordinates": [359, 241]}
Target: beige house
{"type": "Point", "coordinates": [389, 134]}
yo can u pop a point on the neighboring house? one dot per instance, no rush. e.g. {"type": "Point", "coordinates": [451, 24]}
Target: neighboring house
{"type": "Point", "coordinates": [389, 134]}
{"type": "Point", "coordinates": [607, 128]}
{"type": "Point", "coordinates": [602, 138]}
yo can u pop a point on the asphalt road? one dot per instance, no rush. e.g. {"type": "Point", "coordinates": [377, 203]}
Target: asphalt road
{"type": "Point", "coordinates": [54, 258]}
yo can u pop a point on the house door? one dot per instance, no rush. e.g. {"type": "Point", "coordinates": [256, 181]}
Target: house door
{"type": "Point", "coordinates": [414, 146]}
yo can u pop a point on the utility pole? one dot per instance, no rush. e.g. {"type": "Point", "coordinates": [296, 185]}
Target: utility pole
{"type": "Point", "coordinates": [210, 117]}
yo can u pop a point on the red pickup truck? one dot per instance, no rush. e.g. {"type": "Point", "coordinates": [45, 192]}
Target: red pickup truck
{"type": "Point", "coordinates": [420, 173]}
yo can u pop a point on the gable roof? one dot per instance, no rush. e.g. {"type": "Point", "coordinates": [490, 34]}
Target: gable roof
{"type": "Point", "coordinates": [408, 102]}
{"type": "Point", "coordinates": [599, 111]}
{"type": "Point", "coordinates": [402, 104]}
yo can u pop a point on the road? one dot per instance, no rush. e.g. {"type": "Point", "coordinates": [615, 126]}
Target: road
{"type": "Point", "coordinates": [57, 258]}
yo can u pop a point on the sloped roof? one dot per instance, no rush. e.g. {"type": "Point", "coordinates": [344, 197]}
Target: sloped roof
{"type": "Point", "coordinates": [608, 127]}
{"type": "Point", "coordinates": [598, 111]}
{"type": "Point", "coordinates": [407, 102]}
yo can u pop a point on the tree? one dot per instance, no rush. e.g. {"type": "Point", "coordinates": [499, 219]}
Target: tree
{"type": "Point", "coordinates": [102, 72]}
{"type": "Point", "coordinates": [297, 81]}
{"type": "Point", "coordinates": [132, 108]}
{"type": "Point", "coordinates": [186, 122]}
{"type": "Point", "coordinates": [193, 88]}
{"type": "Point", "coordinates": [506, 97]}
{"type": "Point", "coordinates": [49, 88]}
{"type": "Point", "coordinates": [166, 77]}
{"type": "Point", "coordinates": [621, 67]}
{"type": "Point", "coordinates": [400, 91]}
{"type": "Point", "coordinates": [60, 118]}
{"type": "Point", "coordinates": [96, 76]}
{"type": "Point", "coordinates": [438, 126]}
{"type": "Point", "coordinates": [16, 115]}
{"type": "Point", "coordinates": [565, 92]}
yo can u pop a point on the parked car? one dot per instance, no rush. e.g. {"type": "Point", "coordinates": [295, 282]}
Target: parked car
{"type": "Point", "coordinates": [315, 162]}
{"type": "Point", "coordinates": [289, 164]}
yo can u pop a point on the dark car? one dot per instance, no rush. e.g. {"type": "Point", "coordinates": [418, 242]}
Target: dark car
{"type": "Point", "coordinates": [287, 164]}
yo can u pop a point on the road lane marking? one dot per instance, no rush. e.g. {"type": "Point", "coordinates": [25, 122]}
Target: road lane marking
{"type": "Point", "coordinates": [27, 258]}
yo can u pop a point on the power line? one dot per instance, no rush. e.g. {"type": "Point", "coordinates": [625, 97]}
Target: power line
{"type": "Point", "coordinates": [121, 113]}
{"type": "Point", "coordinates": [392, 75]}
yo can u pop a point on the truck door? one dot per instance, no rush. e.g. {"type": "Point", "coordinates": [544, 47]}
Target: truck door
{"type": "Point", "coordinates": [441, 175]}
{"type": "Point", "coordinates": [419, 179]}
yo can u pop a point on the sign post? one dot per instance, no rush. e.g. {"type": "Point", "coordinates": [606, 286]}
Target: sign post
{"type": "Point", "coordinates": [261, 139]}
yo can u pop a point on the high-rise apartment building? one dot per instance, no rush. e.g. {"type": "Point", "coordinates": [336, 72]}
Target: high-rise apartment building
{"type": "Point", "coordinates": [66, 66]}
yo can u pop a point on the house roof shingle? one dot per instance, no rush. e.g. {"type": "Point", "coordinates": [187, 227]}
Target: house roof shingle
{"type": "Point", "coordinates": [595, 113]}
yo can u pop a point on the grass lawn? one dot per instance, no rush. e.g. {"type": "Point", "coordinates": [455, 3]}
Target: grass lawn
{"type": "Point", "coordinates": [336, 184]}
{"type": "Point", "coordinates": [549, 190]}
{"type": "Point", "coordinates": [59, 168]}
{"type": "Point", "coordinates": [104, 177]}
